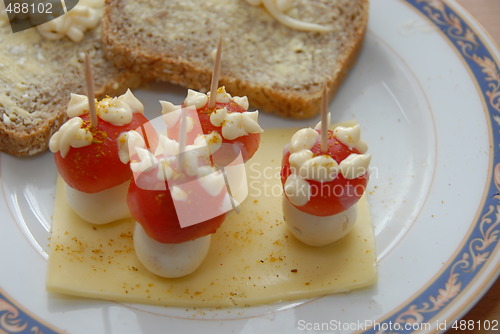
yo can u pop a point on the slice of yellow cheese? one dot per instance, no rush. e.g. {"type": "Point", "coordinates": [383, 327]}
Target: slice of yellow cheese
{"type": "Point", "coordinates": [253, 258]}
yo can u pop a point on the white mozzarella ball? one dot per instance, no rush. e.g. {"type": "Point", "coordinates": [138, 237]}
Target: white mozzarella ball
{"type": "Point", "coordinates": [170, 260]}
{"type": "Point", "coordinates": [315, 230]}
{"type": "Point", "coordinates": [102, 207]}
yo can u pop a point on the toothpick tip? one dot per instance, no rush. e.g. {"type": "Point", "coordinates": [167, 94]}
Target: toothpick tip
{"type": "Point", "coordinates": [215, 74]}
{"type": "Point", "coordinates": [324, 119]}
{"type": "Point", "coordinates": [89, 78]}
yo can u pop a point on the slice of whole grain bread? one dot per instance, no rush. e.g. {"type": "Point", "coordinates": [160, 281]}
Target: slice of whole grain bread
{"type": "Point", "coordinates": [36, 78]}
{"type": "Point", "coordinates": [281, 70]}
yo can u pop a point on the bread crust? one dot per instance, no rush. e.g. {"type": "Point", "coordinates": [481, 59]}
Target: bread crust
{"type": "Point", "coordinates": [142, 63]}
{"type": "Point", "coordinates": [177, 69]}
{"type": "Point", "coordinates": [45, 100]}
{"type": "Point", "coordinates": [27, 142]}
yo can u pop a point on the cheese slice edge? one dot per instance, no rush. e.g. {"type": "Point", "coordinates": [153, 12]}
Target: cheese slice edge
{"type": "Point", "coordinates": [253, 258]}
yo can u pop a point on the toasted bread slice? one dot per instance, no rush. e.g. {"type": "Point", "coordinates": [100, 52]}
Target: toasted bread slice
{"type": "Point", "coordinates": [281, 70]}
{"type": "Point", "coordinates": [36, 78]}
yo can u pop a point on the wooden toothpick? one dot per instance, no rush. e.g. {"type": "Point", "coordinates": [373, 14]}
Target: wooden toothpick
{"type": "Point", "coordinates": [89, 78]}
{"type": "Point", "coordinates": [146, 140]}
{"type": "Point", "coordinates": [214, 85]}
{"type": "Point", "coordinates": [215, 75]}
{"type": "Point", "coordinates": [324, 120]}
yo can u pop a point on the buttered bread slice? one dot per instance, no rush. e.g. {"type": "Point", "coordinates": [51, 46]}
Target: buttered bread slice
{"type": "Point", "coordinates": [37, 76]}
{"type": "Point", "coordinates": [270, 52]}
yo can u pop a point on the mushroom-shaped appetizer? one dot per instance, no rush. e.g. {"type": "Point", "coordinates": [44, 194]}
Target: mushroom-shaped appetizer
{"type": "Point", "coordinates": [228, 119]}
{"type": "Point", "coordinates": [87, 157]}
{"type": "Point", "coordinates": [323, 184]}
{"type": "Point", "coordinates": [178, 199]}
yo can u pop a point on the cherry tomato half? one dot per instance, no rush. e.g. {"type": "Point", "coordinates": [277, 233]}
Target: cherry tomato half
{"type": "Point", "coordinates": [329, 198]}
{"type": "Point", "coordinates": [97, 167]}
{"type": "Point", "coordinates": [156, 212]}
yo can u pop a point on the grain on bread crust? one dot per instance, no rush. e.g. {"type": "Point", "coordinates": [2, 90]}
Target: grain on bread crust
{"type": "Point", "coordinates": [281, 70]}
{"type": "Point", "coordinates": [36, 79]}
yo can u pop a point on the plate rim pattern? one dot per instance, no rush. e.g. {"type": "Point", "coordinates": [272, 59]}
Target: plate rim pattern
{"type": "Point", "coordinates": [483, 237]}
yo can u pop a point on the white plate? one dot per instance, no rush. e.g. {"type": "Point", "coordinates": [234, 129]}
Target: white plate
{"type": "Point", "coordinates": [426, 90]}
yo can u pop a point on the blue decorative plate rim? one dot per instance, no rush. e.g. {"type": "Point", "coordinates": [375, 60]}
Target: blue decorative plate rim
{"type": "Point", "coordinates": [482, 239]}
{"type": "Point", "coordinates": [15, 319]}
